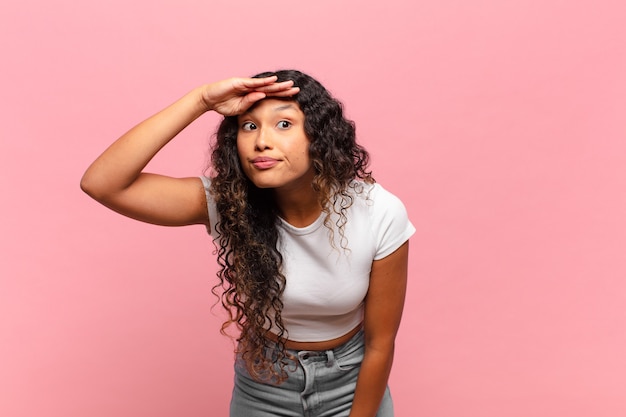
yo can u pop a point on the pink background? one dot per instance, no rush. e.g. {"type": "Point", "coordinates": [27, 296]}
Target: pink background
{"type": "Point", "coordinates": [499, 123]}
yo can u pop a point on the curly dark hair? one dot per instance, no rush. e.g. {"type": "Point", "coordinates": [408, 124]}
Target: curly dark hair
{"type": "Point", "coordinates": [250, 264]}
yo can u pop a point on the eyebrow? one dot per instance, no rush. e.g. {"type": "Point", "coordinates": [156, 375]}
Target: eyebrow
{"type": "Point", "coordinates": [284, 107]}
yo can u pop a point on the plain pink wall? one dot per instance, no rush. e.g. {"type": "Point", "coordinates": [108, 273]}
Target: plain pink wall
{"type": "Point", "coordinates": [499, 123]}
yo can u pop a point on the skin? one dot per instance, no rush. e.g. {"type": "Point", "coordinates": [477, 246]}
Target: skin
{"type": "Point", "coordinates": [116, 179]}
{"type": "Point", "coordinates": [275, 129]}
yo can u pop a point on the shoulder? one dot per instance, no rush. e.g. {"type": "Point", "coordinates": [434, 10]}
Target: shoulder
{"type": "Point", "coordinates": [375, 196]}
{"type": "Point", "coordinates": [387, 216]}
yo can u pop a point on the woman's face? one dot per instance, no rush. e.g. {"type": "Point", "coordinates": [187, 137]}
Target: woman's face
{"type": "Point", "coordinates": [272, 146]}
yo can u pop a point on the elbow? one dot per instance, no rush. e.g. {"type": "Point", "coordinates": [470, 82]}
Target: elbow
{"type": "Point", "coordinates": [88, 186]}
{"type": "Point", "coordinates": [381, 345]}
{"type": "Point", "coordinates": [92, 187]}
{"type": "Point", "coordinates": [84, 184]}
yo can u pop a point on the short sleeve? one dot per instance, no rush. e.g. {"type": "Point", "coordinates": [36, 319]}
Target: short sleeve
{"type": "Point", "coordinates": [390, 222]}
{"type": "Point", "coordinates": [211, 208]}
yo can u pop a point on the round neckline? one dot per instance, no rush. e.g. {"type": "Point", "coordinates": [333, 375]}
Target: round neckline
{"type": "Point", "coordinates": [303, 230]}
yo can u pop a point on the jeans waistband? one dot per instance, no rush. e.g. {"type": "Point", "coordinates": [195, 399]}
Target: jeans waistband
{"type": "Point", "coordinates": [354, 343]}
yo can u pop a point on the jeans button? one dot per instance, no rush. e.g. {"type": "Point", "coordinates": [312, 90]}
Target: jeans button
{"type": "Point", "coordinates": [305, 356]}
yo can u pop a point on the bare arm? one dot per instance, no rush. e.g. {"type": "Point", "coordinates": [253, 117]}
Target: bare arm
{"type": "Point", "coordinates": [383, 310]}
{"type": "Point", "coordinates": [116, 180]}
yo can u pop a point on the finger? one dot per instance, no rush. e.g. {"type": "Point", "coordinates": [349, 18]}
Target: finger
{"type": "Point", "coordinates": [254, 83]}
{"type": "Point", "coordinates": [249, 99]}
{"type": "Point", "coordinates": [274, 87]}
{"type": "Point", "coordinates": [284, 93]}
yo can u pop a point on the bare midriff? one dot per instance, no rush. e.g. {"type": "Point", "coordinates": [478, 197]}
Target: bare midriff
{"type": "Point", "coordinates": [323, 345]}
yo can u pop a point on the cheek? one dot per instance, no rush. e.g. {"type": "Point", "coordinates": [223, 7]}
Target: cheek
{"type": "Point", "coordinates": [306, 155]}
{"type": "Point", "coordinates": [304, 150]}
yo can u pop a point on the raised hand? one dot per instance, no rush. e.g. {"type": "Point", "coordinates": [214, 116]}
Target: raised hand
{"type": "Point", "coordinates": [234, 96]}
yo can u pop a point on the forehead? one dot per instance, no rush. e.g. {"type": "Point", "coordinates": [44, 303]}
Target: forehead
{"type": "Point", "coordinates": [273, 105]}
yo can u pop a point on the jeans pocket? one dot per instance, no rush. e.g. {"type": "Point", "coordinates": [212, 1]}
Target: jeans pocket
{"type": "Point", "coordinates": [350, 361]}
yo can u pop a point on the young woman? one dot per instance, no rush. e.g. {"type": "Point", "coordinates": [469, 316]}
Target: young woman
{"type": "Point", "coordinates": [312, 253]}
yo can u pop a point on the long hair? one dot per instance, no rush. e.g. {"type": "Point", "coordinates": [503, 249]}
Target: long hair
{"type": "Point", "coordinates": [250, 264]}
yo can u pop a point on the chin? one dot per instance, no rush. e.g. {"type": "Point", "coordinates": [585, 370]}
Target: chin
{"type": "Point", "coordinates": [264, 184]}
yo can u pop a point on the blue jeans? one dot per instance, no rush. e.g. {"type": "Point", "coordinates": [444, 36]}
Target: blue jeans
{"type": "Point", "coordinates": [320, 384]}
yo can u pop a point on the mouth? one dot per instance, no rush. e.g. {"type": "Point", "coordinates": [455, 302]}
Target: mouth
{"type": "Point", "coordinates": [264, 162]}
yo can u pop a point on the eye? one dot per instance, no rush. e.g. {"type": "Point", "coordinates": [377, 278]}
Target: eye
{"type": "Point", "coordinates": [284, 124]}
{"type": "Point", "coordinates": [248, 126]}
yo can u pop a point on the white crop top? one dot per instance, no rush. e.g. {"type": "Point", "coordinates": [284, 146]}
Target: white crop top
{"type": "Point", "coordinates": [326, 285]}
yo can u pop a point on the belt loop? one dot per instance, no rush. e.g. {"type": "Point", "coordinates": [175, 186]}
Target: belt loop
{"type": "Point", "coordinates": [330, 358]}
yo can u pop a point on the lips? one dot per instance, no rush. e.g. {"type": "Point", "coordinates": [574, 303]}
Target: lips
{"type": "Point", "coordinates": [264, 162]}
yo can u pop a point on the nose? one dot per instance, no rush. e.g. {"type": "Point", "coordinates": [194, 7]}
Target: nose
{"type": "Point", "coordinates": [263, 139]}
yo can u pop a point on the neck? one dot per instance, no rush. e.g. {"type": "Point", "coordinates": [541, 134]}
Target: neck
{"type": "Point", "coordinates": [298, 207]}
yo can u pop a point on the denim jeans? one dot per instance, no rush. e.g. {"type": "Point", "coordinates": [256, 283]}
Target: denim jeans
{"type": "Point", "coordinates": [320, 384]}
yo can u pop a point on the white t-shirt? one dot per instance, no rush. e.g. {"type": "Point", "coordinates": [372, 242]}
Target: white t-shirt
{"type": "Point", "coordinates": [326, 284]}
